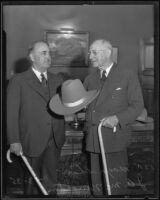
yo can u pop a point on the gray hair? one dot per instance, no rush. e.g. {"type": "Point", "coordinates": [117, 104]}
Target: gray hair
{"type": "Point", "coordinates": [103, 43]}
{"type": "Point", "coordinates": [33, 44]}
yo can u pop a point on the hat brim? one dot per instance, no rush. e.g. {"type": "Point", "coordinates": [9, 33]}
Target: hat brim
{"type": "Point", "coordinates": [147, 120]}
{"type": "Point", "coordinates": [58, 107]}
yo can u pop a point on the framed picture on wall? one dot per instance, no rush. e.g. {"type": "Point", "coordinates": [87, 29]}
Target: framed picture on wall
{"type": "Point", "coordinates": [68, 48]}
{"type": "Point", "coordinates": [147, 54]}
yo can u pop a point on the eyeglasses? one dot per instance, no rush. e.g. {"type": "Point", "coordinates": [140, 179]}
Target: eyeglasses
{"type": "Point", "coordinates": [94, 52]}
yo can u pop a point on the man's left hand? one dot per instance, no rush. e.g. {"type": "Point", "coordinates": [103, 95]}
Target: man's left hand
{"type": "Point", "coordinates": [110, 121]}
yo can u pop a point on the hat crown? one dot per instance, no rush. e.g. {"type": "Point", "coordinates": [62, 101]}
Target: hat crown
{"type": "Point", "coordinates": [72, 91]}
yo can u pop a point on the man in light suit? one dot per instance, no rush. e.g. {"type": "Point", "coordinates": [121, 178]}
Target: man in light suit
{"type": "Point", "coordinates": [119, 103]}
{"type": "Point", "coordinates": [31, 126]}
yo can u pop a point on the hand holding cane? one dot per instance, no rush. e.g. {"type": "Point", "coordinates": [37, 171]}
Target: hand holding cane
{"type": "Point", "coordinates": [30, 169]}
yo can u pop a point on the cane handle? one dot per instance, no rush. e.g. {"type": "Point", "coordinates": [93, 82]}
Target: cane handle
{"type": "Point", "coordinates": [114, 129]}
{"type": "Point", "coordinates": [9, 156]}
{"type": "Point", "coordinates": [30, 169]}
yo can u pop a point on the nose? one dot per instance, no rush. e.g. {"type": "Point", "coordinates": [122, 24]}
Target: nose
{"type": "Point", "coordinates": [48, 55]}
{"type": "Point", "coordinates": [91, 55]}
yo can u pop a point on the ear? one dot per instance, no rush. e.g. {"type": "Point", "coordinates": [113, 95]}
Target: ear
{"type": "Point", "coordinates": [109, 52]}
{"type": "Point", "coordinates": [31, 57]}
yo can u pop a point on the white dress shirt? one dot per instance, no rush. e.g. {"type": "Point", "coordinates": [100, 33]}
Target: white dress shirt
{"type": "Point", "coordinates": [107, 70]}
{"type": "Point", "coordinates": [38, 74]}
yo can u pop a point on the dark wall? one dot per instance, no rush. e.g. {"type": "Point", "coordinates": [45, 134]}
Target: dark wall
{"type": "Point", "coordinates": [123, 25]}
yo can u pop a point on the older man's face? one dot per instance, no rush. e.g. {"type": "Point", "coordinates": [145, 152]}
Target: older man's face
{"type": "Point", "coordinates": [40, 57]}
{"type": "Point", "coordinates": [97, 55]}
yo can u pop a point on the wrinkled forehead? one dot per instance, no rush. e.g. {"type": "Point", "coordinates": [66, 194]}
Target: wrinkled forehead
{"type": "Point", "coordinates": [96, 45]}
{"type": "Point", "coordinates": [100, 45]}
{"type": "Point", "coordinates": [41, 46]}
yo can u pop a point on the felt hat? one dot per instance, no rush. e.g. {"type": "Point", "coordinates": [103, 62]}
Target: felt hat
{"type": "Point", "coordinates": [73, 98]}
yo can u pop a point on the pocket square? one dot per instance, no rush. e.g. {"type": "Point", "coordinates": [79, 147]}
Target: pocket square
{"type": "Point", "coordinates": [118, 88]}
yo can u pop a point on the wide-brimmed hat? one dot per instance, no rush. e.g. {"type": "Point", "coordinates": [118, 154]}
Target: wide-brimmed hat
{"type": "Point", "coordinates": [73, 98]}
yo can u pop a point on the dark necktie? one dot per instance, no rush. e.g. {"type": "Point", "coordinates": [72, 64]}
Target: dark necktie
{"type": "Point", "coordinates": [43, 80]}
{"type": "Point", "coordinates": [103, 78]}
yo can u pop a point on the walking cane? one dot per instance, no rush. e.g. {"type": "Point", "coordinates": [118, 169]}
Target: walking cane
{"type": "Point", "coordinates": [30, 169]}
{"type": "Point", "coordinates": [104, 157]}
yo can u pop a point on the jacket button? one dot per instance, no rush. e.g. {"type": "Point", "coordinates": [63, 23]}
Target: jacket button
{"type": "Point", "coordinates": [94, 111]}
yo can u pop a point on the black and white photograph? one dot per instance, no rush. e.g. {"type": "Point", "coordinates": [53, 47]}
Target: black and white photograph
{"type": "Point", "coordinates": [80, 100]}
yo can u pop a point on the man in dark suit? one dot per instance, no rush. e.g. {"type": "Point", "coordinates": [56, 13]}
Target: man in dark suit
{"type": "Point", "coordinates": [119, 103]}
{"type": "Point", "coordinates": [32, 128]}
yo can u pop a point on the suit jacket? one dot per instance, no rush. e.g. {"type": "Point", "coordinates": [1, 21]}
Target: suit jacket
{"type": "Point", "coordinates": [120, 95]}
{"type": "Point", "coordinates": [29, 120]}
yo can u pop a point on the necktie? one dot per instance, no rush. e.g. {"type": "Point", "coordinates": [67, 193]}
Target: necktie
{"type": "Point", "coordinates": [103, 78]}
{"type": "Point", "coordinates": [43, 80]}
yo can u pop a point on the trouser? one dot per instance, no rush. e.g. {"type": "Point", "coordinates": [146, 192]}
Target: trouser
{"type": "Point", "coordinates": [45, 166]}
{"type": "Point", "coordinates": [117, 170]}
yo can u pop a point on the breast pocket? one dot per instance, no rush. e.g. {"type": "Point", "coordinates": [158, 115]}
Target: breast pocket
{"type": "Point", "coordinates": [118, 93]}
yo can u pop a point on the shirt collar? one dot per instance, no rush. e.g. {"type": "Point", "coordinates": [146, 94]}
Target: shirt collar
{"type": "Point", "coordinates": [38, 74]}
{"type": "Point", "coordinates": [107, 70]}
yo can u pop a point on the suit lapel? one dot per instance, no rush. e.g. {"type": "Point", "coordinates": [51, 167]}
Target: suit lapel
{"type": "Point", "coordinates": [97, 86]}
{"type": "Point", "coordinates": [35, 84]}
{"type": "Point", "coordinates": [96, 79]}
{"type": "Point", "coordinates": [108, 86]}
{"type": "Point", "coordinates": [52, 82]}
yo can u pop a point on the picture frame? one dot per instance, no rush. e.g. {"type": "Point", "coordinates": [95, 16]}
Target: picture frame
{"type": "Point", "coordinates": [147, 54]}
{"type": "Point", "coordinates": [68, 48]}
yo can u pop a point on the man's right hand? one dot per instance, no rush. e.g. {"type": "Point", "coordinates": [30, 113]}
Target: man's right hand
{"type": "Point", "coordinates": [16, 148]}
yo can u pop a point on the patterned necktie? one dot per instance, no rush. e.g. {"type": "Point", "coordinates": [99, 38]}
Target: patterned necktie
{"type": "Point", "coordinates": [43, 81]}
